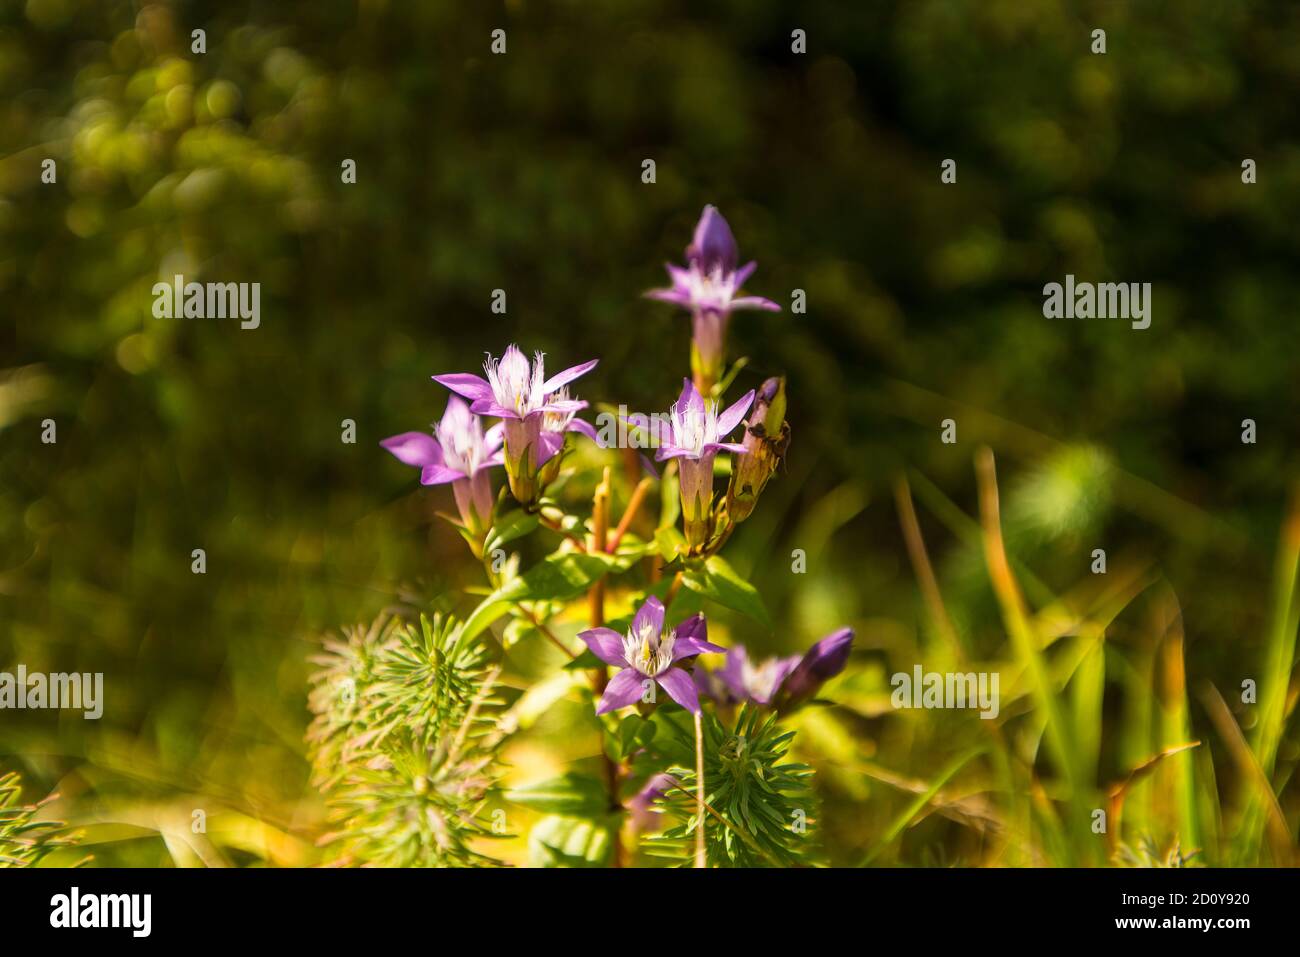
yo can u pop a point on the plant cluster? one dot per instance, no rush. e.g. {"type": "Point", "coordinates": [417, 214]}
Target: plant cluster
{"type": "Point", "coordinates": [408, 729]}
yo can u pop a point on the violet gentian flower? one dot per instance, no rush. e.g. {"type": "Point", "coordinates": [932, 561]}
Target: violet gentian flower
{"type": "Point", "coordinates": [767, 436]}
{"type": "Point", "coordinates": [708, 287]}
{"type": "Point", "coordinates": [555, 427]}
{"type": "Point", "coordinates": [459, 452]}
{"type": "Point", "coordinates": [758, 682]}
{"type": "Point", "coordinates": [521, 396]}
{"type": "Point", "coordinates": [784, 682]}
{"type": "Point", "coordinates": [648, 654]}
{"type": "Point", "coordinates": [696, 433]}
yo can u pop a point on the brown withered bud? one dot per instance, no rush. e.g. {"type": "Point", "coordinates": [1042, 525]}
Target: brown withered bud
{"type": "Point", "coordinates": [767, 436]}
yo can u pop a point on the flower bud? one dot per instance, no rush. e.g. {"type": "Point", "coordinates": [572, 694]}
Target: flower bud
{"type": "Point", "coordinates": [522, 449]}
{"type": "Point", "coordinates": [820, 663]}
{"type": "Point", "coordinates": [474, 502]}
{"type": "Point", "coordinates": [708, 348]}
{"type": "Point", "coordinates": [767, 436]}
{"type": "Point", "coordinates": [696, 480]}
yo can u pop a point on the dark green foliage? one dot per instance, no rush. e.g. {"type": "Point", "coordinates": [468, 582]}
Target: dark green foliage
{"type": "Point", "coordinates": [766, 806]}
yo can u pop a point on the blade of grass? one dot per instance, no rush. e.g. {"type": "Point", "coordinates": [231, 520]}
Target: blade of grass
{"type": "Point", "coordinates": [1279, 653]}
{"type": "Point", "coordinates": [1275, 682]}
{"type": "Point", "coordinates": [917, 805]}
{"type": "Point", "coordinates": [1175, 725]}
{"type": "Point", "coordinates": [1252, 774]}
{"type": "Point", "coordinates": [1016, 617]}
{"type": "Point", "coordinates": [1120, 791]}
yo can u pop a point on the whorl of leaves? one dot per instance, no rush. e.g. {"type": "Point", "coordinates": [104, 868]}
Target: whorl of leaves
{"type": "Point", "coordinates": [24, 841]}
{"type": "Point", "coordinates": [763, 804]}
{"type": "Point", "coordinates": [400, 744]}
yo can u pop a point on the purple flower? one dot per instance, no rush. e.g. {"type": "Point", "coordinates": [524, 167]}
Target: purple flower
{"type": "Point", "coordinates": [519, 394]}
{"type": "Point", "coordinates": [461, 453]}
{"type": "Point", "coordinates": [778, 682]}
{"type": "Point", "coordinates": [747, 681]}
{"type": "Point", "coordinates": [641, 804]}
{"type": "Point", "coordinates": [696, 432]}
{"type": "Point", "coordinates": [649, 654]}
{"type": "Point", "coordinates": [820, 663]}
{"type": "Point", "coordinates": [708, 287]}
{"type": "Point", "coordinates": [557, 424]}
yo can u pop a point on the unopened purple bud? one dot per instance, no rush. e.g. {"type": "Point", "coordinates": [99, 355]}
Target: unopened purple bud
{"type": "Point", "coordinates": [769, 406]}
{"type": "Point", "coordinates": [713, 247]}
{"type": "Point", "coordinates": [820, 663]}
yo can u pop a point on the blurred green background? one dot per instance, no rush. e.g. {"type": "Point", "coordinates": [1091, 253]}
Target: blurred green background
{"type": "Point", "coordinates": [523, 172]}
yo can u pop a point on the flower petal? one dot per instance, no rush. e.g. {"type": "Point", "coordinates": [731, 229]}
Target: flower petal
{"type": "Point", "coordinates": [583, 427]}
{"type": "Point", "coordinates": [649, 617]}
{"type": "Point", "coordinates": [680, 688]}
{"type": "Point", "coordinates": [606, 644]}
{"type": "Point", "coordinates": [743, 273]}
{"type": "Point", "coordinates": [732, 672]}
{"type": "Point", "coordinates": [549, 443]}
{"type": "Point", "coordinates": [674, 296]}
{"type": "Point", "coordinates": [692, 638]}
{"type": "Point", "coordinates": [489, 406]}
{"type": "Point", "coordinates": [728, 420]}
{"type": "Point", "coordinates": [414, 448]}
{"type": "Point", "coordinates": [567, 376]}
{"type": "Point", "coordinates": [690, 397]}
{"type": "Point", "coordinates": [623, 689]}
{"type": "Point", "coordinates": [467, 384]}
{"type": "Point", "coordinates": [755, 302]}
{"type": "Point", "coordinates": [686, 647]}
{"type": "Point", "coordinates": [439, 475]}
{"type": "Point", "coordinates": [665, 452]}
{"type": "Point", "coordinates": [694, 627]}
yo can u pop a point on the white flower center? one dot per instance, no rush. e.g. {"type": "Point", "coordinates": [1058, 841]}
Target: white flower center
{"type": "Point", "coordinates": [557, 421]}
{"type": "Point", "coordinates": [712, 289]}
{"type": "Point", "coordinates": [462, 444]}
{"type": "Point", "coordinates": [695, 428]}
{"type": "Point", "coordinates": [649, 652]}
{"type": "Point", "coordinates": [514, 384]}
{"type": "Point", "coordinates": [760, 680]}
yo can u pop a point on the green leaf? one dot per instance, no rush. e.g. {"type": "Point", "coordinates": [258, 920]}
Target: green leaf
{"type": "Point", "coordinates": [719, 582]}
{"type": "Point", "coordinates": [571, 794]}
{"type": "Point", "coordinates": [558, 577]}
{"type": "Point", "coordinates": [629, 732]}
{"type": "Point", "coordinates": [512, 525]}
{"type": "Point", "coordinates": [568, 842]}
{"type": "Point", "coordinates": [725, 382]}
{"type": "Point", "coordinates": [670, 543]}
{"type": "Point", "coordinates": [586, 661]}
{"type": "Point", "coordinates": [536, 701]}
